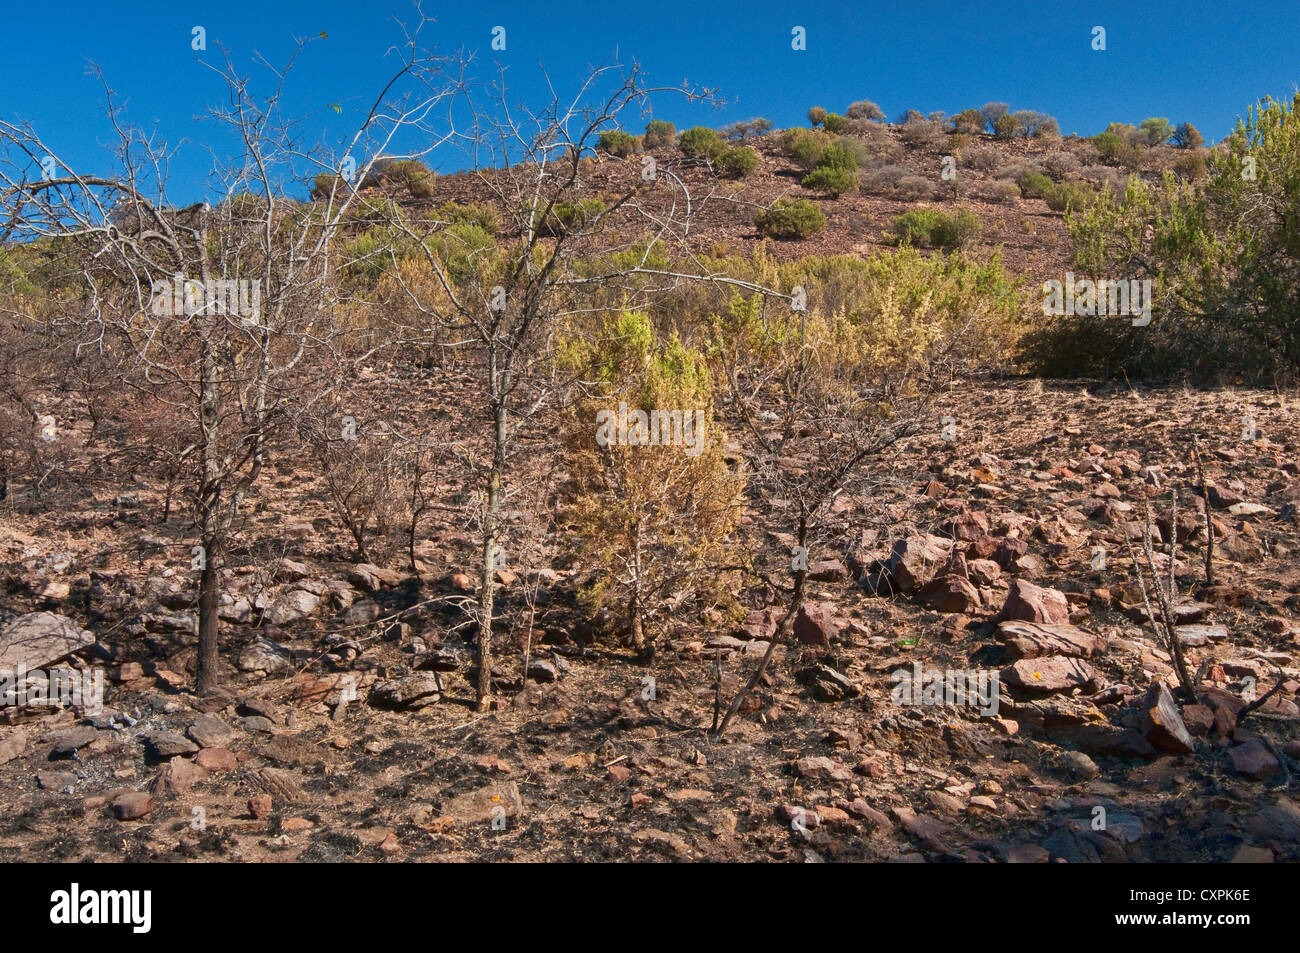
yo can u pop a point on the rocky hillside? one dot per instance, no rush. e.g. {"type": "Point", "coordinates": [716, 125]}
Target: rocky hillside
{"type": "Point", "coordinates": [347, 729]}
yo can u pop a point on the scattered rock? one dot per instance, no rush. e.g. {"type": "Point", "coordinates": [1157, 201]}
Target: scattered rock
{"type": "Point", "coordinates": [168, 744]}
{"type": "Point", "coordinates": [484, 804]}
{"type": "Point", "coordinates": [1052, 674]}
{"type": "Point", "coordinates": [13, 745]}
{"type": "Point", "coordinates": [951, 593]}
{"type": "Point", "coordinates": [55, 780]}
{"type": "Point", "coordinates": [259, 805]}
{"type": "Point", "coordinates": [813, 625]}
{"type": "Point", "coordinates": [1029, 603]}
{"type": "Point", "coordinates": [1034, 639]}
{"type": "Point", "coordinates": [36, 639]}
{"type": "Point", "coordinates": [410, 692]}
{"type": "Point", "coordinates": [1162, 724]}
{"type": "Point", "coordinates": [133, 805]}
{"type": "Point", "coordinates": [67, 742]}
{"type": "Point", "coordinates": [264, 655]}
{"type": "Point", "coordinates": [1254, 760]}
{"type": "Point", "coordinates": [176, 777]}
{"type": "Point", "coordinates": [827, 684]}
{"type": "Point", "coordinates": [216, 759]}
{"type": "Point", "coordinates": [209, 731]}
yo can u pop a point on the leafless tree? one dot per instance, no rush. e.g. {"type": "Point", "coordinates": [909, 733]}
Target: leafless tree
{"type": "Point", "coordinates": [229, 308]}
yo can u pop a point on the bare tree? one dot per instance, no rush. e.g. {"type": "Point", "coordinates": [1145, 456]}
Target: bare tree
{"type": "Point", "coordinates": [563, 254]}
{"type": "Point", "coordinates": [230, 309]}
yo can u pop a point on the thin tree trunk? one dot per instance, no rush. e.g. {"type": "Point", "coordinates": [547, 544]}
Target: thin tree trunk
{"type": "Point", "coordinates": [487, 594]}
{"type": "Point", "coordinates": [209, 525]}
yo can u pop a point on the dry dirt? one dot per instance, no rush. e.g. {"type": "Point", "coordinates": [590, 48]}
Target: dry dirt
{"type": "Point", "coordinates": [611, 760]}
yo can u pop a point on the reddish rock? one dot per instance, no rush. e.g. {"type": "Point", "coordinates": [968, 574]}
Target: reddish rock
{"type": "Point", "coordinates": [864, 811]}
{"type": "Point", "coordinates": [914, 561]}
{"type": "Point", "coordinates": [983, 572]}
{"type": "Point", "coordinates": [177, 776]}
{"type": "Point", "coordinates": [1009, 550]}
{"type": "Point", "coordinates": [951, 593]}
{"type": "Point", "coordinates": [1030, 603]}
{"type": "Point", "coordinates": [759, 623]}
{"type": "Point", "coordinates": [132, 805]}
{"type": "Point", "coordinates": [1027, 854]}
{"type": "Point", "coordinates": [1034, 639]}
{"type": "Point", "coordinates": [982, 548]}
{"type": "Point", "coordinates": [967, 526]}
{"type": "Point", "coordinates": [259, 805]}
{"type": "Point", "coordinates": [813, 625]}
{"type": "Point", "coordinates": [1162, 725]}
{"type": "Point", "coordinates": [1052, 674]}
{"type": "Point", "coordinates": [1199, 719]}
{"type": "Point", "coordinates": [617, 773]}
{"type": "Point", "coordinates": [1254, 760]}
{"type": "Point", "coordinates": [828, 570]}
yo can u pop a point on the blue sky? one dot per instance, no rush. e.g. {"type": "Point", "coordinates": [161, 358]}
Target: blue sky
{"type": "Point", "coordinates": [1187, 61]}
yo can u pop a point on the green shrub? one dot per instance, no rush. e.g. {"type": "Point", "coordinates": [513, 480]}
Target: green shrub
{"type": "Point", "coordinates": [738, 163]}
{"type": "Point", "coordinates": [1033, 184]}
{"type": "Point", "coordinates": [659, 134]}
{"type": "Point", "coordinates": [414, 174]}
{"type": "Point", "coordinates": [968, 121]}
{"type": "Point", "coordinates": [1190, 166]}
{"type": "Point", "coordinates": [816, 116]}
{"type": "Point", "coordinates": [1067, 196]}
{"type": "Point", "coordinates": [1128, 132]}
{"type": "Point", "coordinates": [1004, 193]}
{"type": "Point", "coordinates": [1117, 150]}
{"type": "Point", "coordinates": [618, 143]}
{"type": "Point", "coordinates": [470, 213]}
{"type": "Point", "coordinates": [1221, 257]}
{"type": "Point", "coordinates": [861, 152]}
{"type": "Point", "coordinates": [323, 184]}
{"type": "Point", "coordinates": [836, 172]}
{"type": "Point", "coordinates": [1006, 127]}
{"type": "Point", "coordinates": [1157, 130]}
{"type": "Point", "coordinates": [701, 142]}
{"type": "Point", "coordinates": [804, 146]}
{"type": "Point", "coordinates": [924, 226]}
{"type": "Point", "coordinates": [837, 157]}
{"type": "Point", "coordinates": [569, 217]}
{"type": "Point", "coordinates": [790, 219]}
{"type": "Point", "coordinates": [835, 124]}
{"type": "Point", "coordinates": [833, 182]}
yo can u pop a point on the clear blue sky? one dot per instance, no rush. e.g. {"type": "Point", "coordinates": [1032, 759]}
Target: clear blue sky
{"type": "Point", "coordinates": [1201, 62]}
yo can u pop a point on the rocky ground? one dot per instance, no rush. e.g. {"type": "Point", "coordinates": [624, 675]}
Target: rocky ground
{"type": "Point", "coordinates": [346, 731]}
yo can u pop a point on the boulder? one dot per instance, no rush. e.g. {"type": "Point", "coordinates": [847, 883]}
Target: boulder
{"type": "Point", "coordinates": [1035, 639]}
{"type": "Point", "coordinates": [1030, 603]}
{"type": "Point", "coordinates": [36, 639]}
{"type": "Point", "coordinates": [951, 593]}
{"type": "Point", "coordinates": [1162, 723]}
{"type": "Point", "coordinates": [1052, 674]}
{"type": "Point", "coordinates": [914, 561]}
{"type": "Point", "coordinates": [813, 624]}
